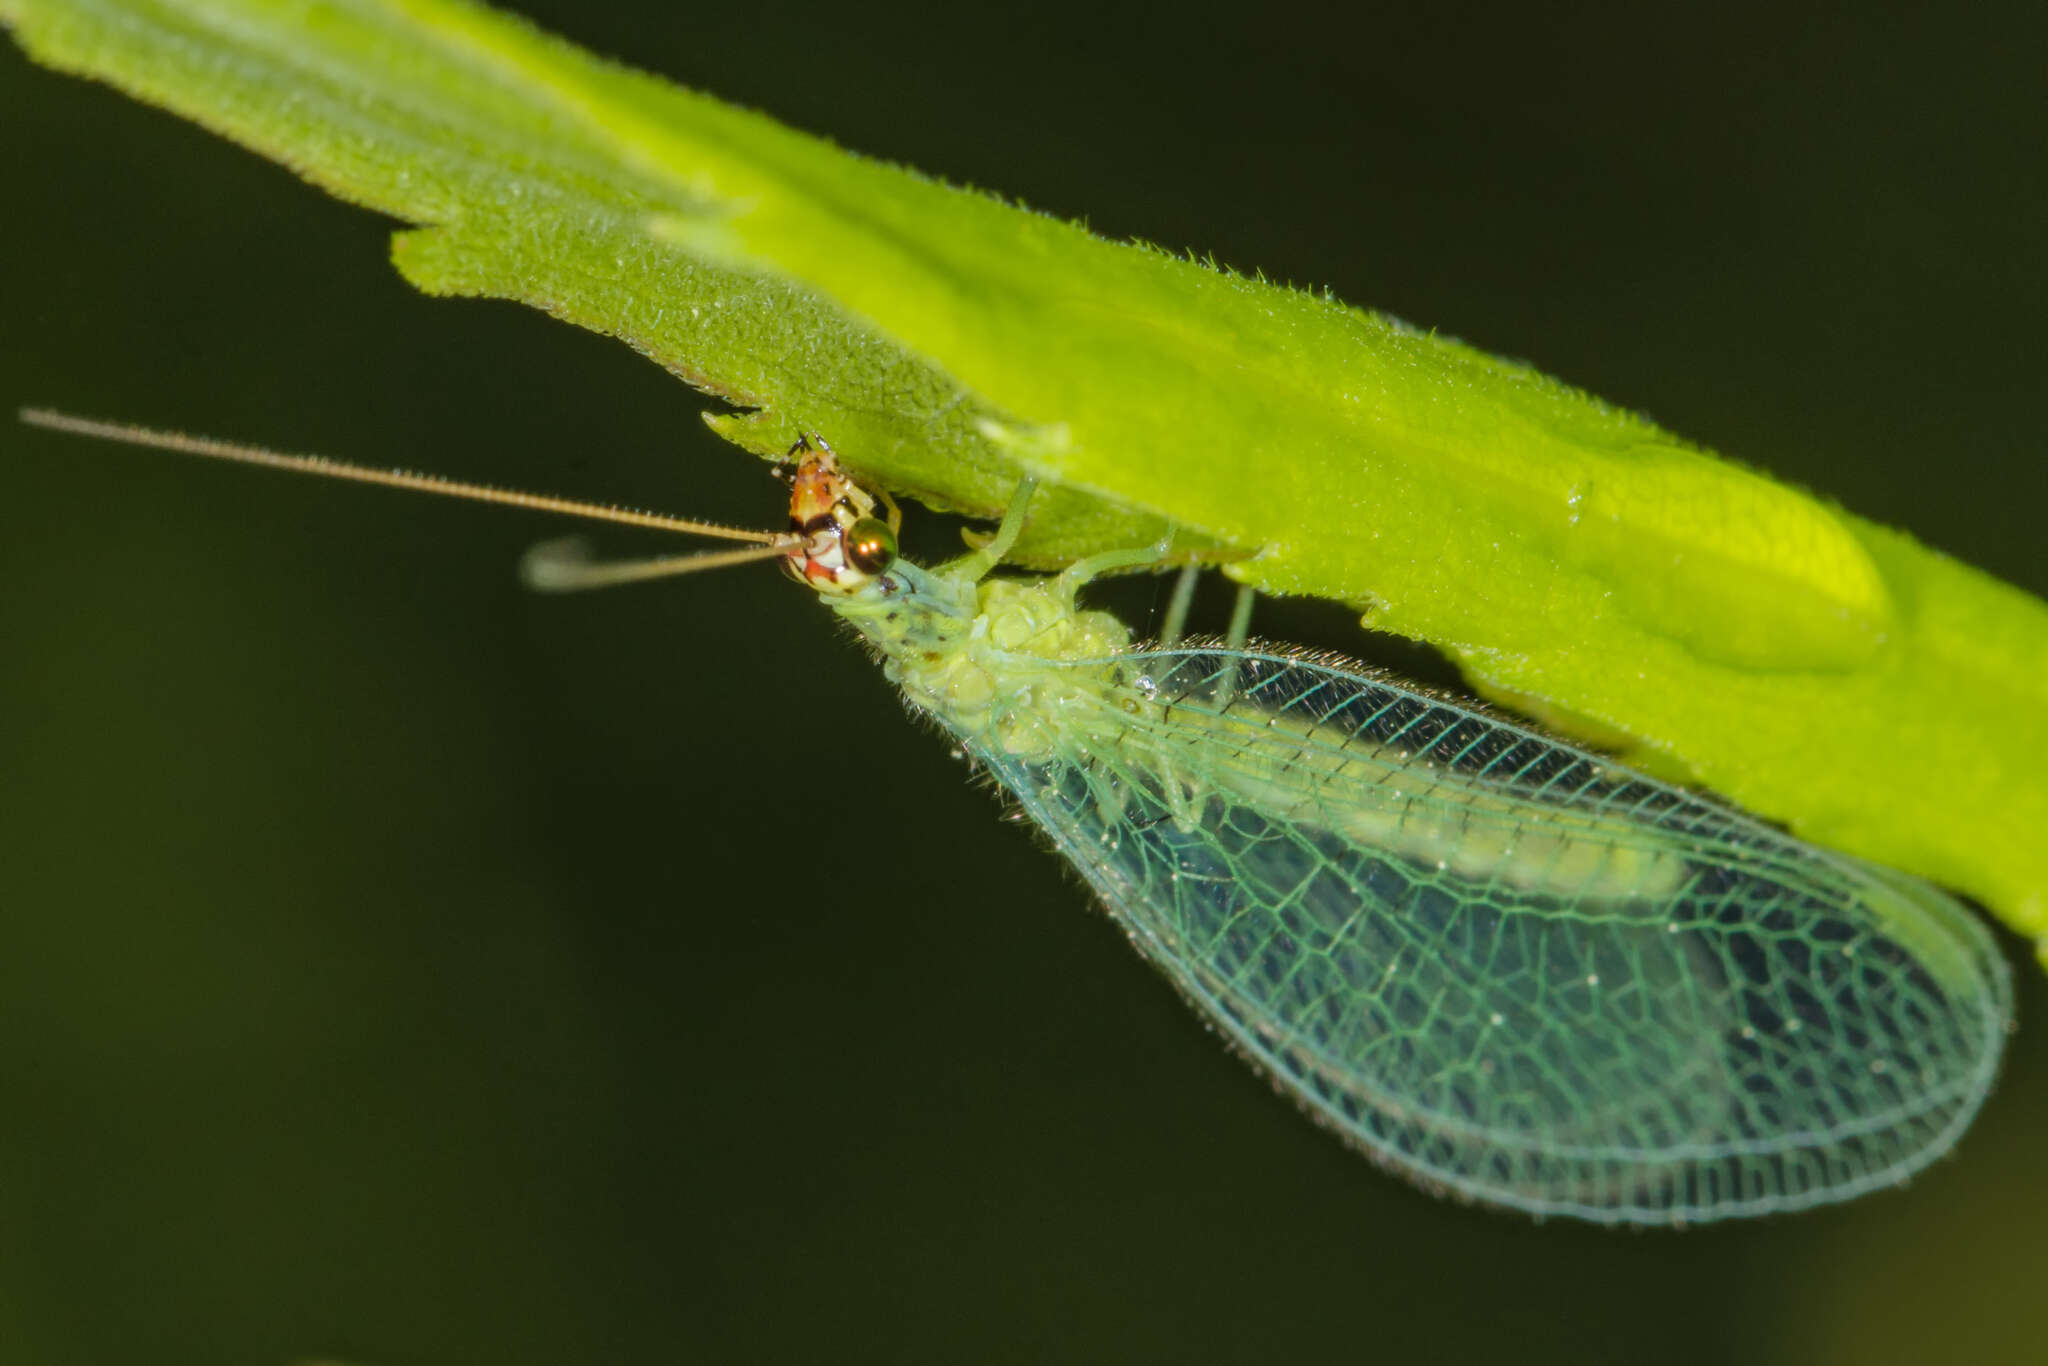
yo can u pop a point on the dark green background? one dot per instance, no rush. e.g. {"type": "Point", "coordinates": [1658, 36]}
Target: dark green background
{"type": "Point", "coordinates": [402, 967]}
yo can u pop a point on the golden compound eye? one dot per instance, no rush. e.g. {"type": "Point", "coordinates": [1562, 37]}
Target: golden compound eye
{"type": "Point", "coordinates": [870, 545]}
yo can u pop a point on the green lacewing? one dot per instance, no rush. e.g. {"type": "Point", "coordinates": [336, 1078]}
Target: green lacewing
{"type": "Point", "coordinates": [1498, 964]}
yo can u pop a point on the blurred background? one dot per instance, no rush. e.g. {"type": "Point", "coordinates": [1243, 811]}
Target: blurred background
{"type": "Point", "coordinates": [403, 968]}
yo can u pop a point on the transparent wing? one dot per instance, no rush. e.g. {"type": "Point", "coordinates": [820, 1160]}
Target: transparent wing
{"type": "Point", "coordinates": [1504, 966]}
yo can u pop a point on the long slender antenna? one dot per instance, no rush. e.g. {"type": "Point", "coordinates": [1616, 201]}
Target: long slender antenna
{"type": "Point", "coordinates": [566, 566]}
{"type": "Point", "coordinates": [393, 478]}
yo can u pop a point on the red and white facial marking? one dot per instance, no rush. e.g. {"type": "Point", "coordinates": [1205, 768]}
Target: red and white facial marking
{"type": "Point", "coordinates": [840, 544]}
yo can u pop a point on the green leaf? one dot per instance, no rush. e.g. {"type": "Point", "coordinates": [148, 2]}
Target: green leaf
{"type": "Point", "coordinates": [1576, 560]}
